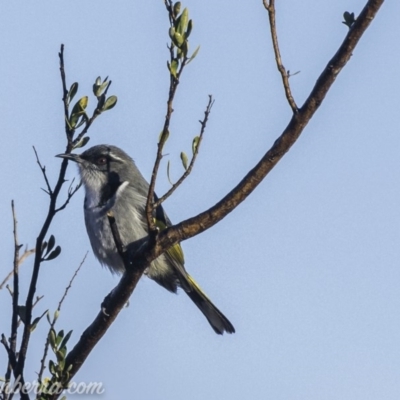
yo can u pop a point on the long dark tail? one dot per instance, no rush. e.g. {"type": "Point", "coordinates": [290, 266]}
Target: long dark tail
{"type": "Point", "coordinates": [217, 320]}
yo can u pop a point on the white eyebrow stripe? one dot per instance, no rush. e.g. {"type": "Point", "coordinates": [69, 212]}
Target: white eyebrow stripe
{"type": "Point", "coordinates": [115, 158]}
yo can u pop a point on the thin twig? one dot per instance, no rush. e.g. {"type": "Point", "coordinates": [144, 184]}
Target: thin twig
{"type": "Point", "coordinates": [190, 167]}
{"type": "Point", "coordinates": [43, 169]}
{"type": "Point", "coordinates": [11, 355]}
{"type": "Point", "coordinates": [42, 234]}
{"type": "Point", "coordinates": [38, 298]}
{"type": "Point", "coordinates": [71, 281]}
{"type": "Point", "coordinates": [5, 392]}
{"type": "Point", "coordinates": [174, 82]}
{"type": "Point", "coordinates": [170, 6]}
{"type": "Point", "coordinates": [14, 318]}
{"type": "Point", "coordinates": [11, 350]}
{"type": "Point", "coordinates": [9, 275]}
{"type": "Point", "coordinates": [71, 192]}
{"type": "Point", "coordinates": [24, 256]}
{"type": "Point", "coordinates": [69, 132]}
{"type": "Point", "coordinates": [53, 322]}
{"type": "Point", "coordinates": [270, 7]}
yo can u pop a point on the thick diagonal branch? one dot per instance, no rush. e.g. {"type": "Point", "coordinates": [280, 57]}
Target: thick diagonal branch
{"type": "Point", "coordinates": [282, 145]}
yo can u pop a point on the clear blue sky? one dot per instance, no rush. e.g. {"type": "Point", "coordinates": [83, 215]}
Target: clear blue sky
{"type": "Point", "coordinates": [307, 269]}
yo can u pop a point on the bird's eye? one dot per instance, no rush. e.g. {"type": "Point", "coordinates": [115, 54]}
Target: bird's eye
{"type": "Point", "coordinates": [102, 160]}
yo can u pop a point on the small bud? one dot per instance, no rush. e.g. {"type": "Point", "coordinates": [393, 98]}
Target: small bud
{"type": "Point", "coordinates": [184, 159]}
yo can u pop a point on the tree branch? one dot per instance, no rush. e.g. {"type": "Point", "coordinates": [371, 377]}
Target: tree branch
{"type": "Point", "coordinates": [39, 240]}
{"type": "Point", "coordinates": [71, 192]}
{"type": "Point", "coordinates": [192, 161]}
{"type": "Point", "coordinates": [69, 132]}
{"type": "Point", "coordinates": [24, 256]}
{"type": "Point", "coordinates": [270, 7]}
{"type": "Point", "coordinates": [17, 247]}
{"type": "Point", "coordinates": [114, 303]}
{"type": "Point", "coordinates": [174, 82]}
{"type": "Point", "coordinates": [43, 169]}
{"type": "Point", "coordinates": [11, 350]}
{"type": "Point", "coordinates": [53, 322]}
{"type": "Point", "coordinates": [298, 122]}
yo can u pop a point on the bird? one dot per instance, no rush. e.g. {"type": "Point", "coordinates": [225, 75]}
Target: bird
{"type": "Point", "coordinates": [112, 180]}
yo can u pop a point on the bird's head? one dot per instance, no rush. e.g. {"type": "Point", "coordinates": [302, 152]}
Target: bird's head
{"type": "Point", "coordinates": [103, 164]}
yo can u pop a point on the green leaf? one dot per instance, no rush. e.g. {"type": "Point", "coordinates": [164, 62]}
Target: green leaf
{"type": "Point", "coordinates": [72, 92]}
{"type": "Point", "coordinates": [161, 136]}
{"type": "Point", "coordinates": [349, 19]}
{"type": "Point", "coordinates": [83, 102]}
{"type": "Point", "coordinates": [171, 32]}
{"type": "Point", "coordinates": [50, 244]}
{"type": "Point", "coordinates": [52, 338]}
{"type": "Point", "coordinates": [73, 120]}
{"type": "Point", "coordinates": [177, 8]}
{"type": "Point", "coordinates": [22, 313]}
{"type": "Point", "coordinates": [178, 39]}
{"type": "Point", "coordinates": [84, 119]}
{"type": "Point", "coordinates": [65, 340]}
{"type": "Point", "coordinates": [96, 89]}
{"type": "Point", "coordinates": [195, 143]}
{"type": "Point", "coordinates": [54, 254]}
{"type": "Point", "coordinates": [52, 367]}
{"type": "Point", "coordinates": [103, 86]}
{"type": "Point", "coordinates": [82, 143]}
{"type": "Point", "coordinates": [60, 354]}
{"type": "Point", "coordinates": [174, 67]}
{"type": "Point", "coordinates": [61, 362]}
{"type": "Point", "coordinates": [179, 54]}
{"type": "Point", "coordinates": [99, 89]}
{"type": "Point", "coordinates": [60, 337]}
{"type": "Point", "coordinates": [189, 30]}
{"type": "Point", "coordinates": [184, 159]}
{"type": "Point", "coordinates": [98, 86]}
{"type": "Point", "coordinates": [185, 48]}
{"type": "Point", "coordinates": [36, 321]}
{"type": "Point", "coordinates": [182, 22]}
{"type": "Point", "coordinates": [78, 120]}
{"type": "Point", "coordinates": [78, 111]}
{"type": "Point", "coordinates": [193, 55]}
{"type": "Point", "coordinates": [68, 123]}
{"type": "Point", "coordinates": [110, 103]}
{"type": "Point", "coordinates": [169, 178]}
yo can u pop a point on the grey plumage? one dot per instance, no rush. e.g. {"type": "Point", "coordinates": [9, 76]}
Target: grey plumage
{"type": "Point", "coordinates": [112, 180]}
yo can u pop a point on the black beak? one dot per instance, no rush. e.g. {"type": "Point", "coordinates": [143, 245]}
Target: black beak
{"type": "Point", "coordinates": [70, 156]}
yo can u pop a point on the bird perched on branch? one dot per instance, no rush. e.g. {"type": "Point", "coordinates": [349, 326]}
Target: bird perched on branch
{"type": "Point", "coordinates": [109, 174]}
